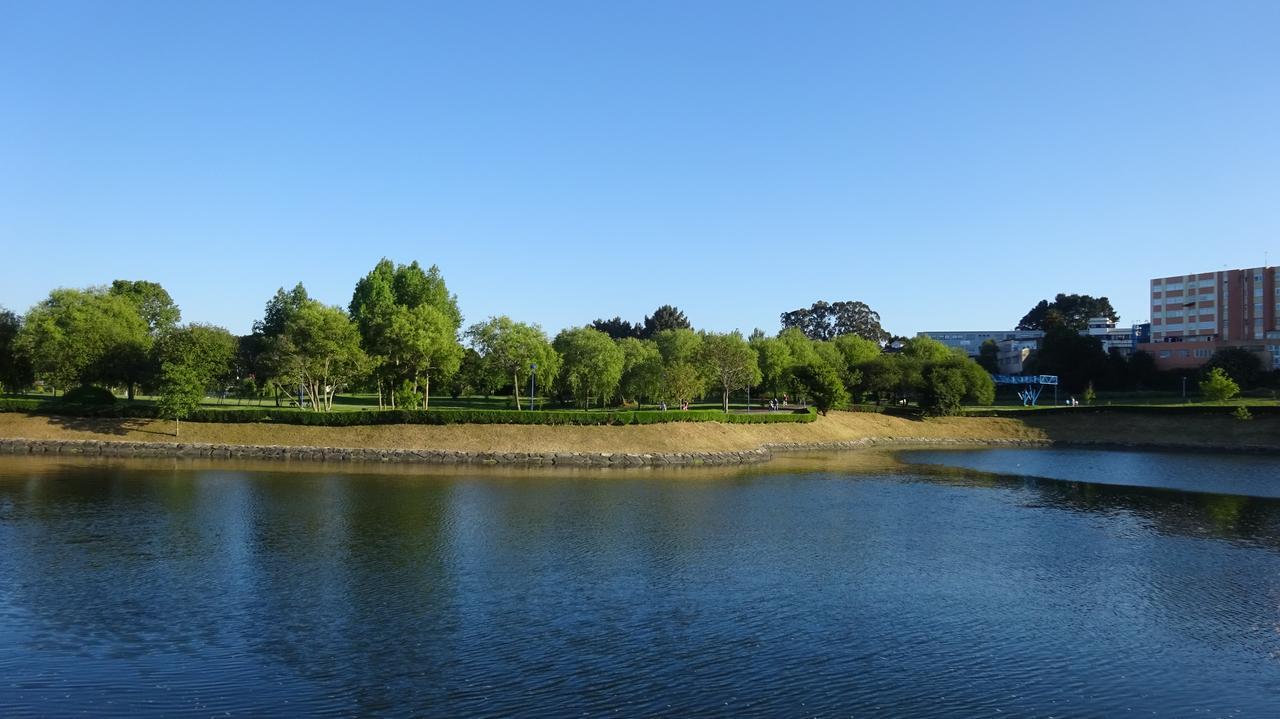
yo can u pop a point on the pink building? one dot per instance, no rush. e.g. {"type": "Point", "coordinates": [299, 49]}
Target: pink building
{"type": "Point", "coordinates": [1192, 316]}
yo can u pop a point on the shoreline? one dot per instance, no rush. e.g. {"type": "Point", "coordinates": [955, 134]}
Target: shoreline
{"type": "Point", "coordinates": [622, 460]}
{"type": "Point", "coordinates": [682, 444]}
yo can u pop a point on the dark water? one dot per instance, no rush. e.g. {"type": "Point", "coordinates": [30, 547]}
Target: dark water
{"type": "Point", "coordinates": [815, 589]}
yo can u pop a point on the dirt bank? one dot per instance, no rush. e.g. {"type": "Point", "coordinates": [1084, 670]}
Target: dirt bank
{"type": "Point", "coordinates": [1088, 427]}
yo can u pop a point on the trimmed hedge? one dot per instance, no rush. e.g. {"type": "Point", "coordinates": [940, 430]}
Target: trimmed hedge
{"type": "Point", "coordinates": [404, 416]}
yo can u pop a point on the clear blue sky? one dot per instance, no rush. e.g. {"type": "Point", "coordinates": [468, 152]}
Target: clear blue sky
{"type": "Point", "coordinates": [948, 163]}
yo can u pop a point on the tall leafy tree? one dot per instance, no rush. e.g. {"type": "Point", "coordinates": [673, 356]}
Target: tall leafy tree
{"type": "Point", "coordinates": [1076, 359]}
{"type": "Point", "coordinates": [678, 345]}
{"type": "Point", "coordinates": [319, 351]}
{"type": "Point", "coordinates": [591, 364]}
{"type": "Point", "coordinates": [617, 328]}
{"type": "Point", "coordinates": [681, 382]}
{"type": "Point", "coordinates": [85, 336]}
{"type": "Point", "coordinates": [15, 369]}
{"type": "Point", "coordinates": [155, 305]}
{"type": "Point", "coordinates": [513, 348]}
{"type": "Point", "coordinates": [1072, 311]}
{"type": "Point", "coordinates": [822, 382]}
{"type": "Point", "coordinates": [1242, 366]}
{"type": "Point", "coordinates": [730, 362]}
{"type": "Point", "coordinates": [259, 349]}
{"type": "Point", "coordinates": [775, 360]}
{"type": "Point", "coordinates": [666, 317]}
{"type": "Point", "coordinates": [828, 320]}
{"type": "Point", "coordinates": [280, 309]}
{"type": "Point", "coordinates": [408, 323]}
{"type": "Point", "coordinates": [641, 368]}
{"type": "Point", "coordinates": [423, 342]}
{"type": "Point", "coordinates": [989, 356]}
{"type": "Point", "coordinates": [208, 351]}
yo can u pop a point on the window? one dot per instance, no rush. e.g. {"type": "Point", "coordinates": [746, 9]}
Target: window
{"type": "Point", "coordinates": [1164, 354]}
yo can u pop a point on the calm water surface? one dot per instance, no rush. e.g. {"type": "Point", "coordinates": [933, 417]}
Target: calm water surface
{"type": "Point", "coordinates": [819, 587]}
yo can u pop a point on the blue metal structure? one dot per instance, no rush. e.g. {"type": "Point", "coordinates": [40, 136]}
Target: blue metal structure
{"type": "Point", "coordinates": [1034, 384]}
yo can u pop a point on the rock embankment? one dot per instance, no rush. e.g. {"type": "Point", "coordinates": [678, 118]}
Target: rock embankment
{"type": "Point", "coordinates": [179, 450]}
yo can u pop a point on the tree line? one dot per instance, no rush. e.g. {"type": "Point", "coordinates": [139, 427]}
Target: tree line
{"type": "Point", "coordinates": [402, 337]}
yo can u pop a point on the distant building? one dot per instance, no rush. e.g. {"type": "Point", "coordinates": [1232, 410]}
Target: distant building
{"type": "Point", "coordinates": [971, 342]}
{"type": "Point", "coordinates": [1120, 339]}
{"type": "Point", "coordinates": [1195, 315]}
{"type": "Point", "coordinates": [1012, 354]}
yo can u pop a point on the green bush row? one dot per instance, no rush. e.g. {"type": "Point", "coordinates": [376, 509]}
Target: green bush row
{"type": "Point", "coordinates": [403, 416]}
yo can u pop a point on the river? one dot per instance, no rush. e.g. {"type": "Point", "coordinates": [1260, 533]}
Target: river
{"type": "Point", "coordinates": [945, 584]}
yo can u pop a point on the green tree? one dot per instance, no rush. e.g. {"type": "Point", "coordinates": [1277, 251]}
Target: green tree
{"type": "Point", "coordinates": [422, 342]}
{"type": "Point", "coordinates": [513, 348]}
{"type": "Point", "coordinates": [926, 349]}
{"type": "Point", "coordinates": [1242, 366]}
{"type": "Point", "coordinates": [408, 323]}
{"type": "Point", "coordinates": [15, 369]}
{"type": "Point", "coordinates": [207, 351]}
{"type": "Point", "coordinates": [803, 352]}
{"type": "Point", "coordinates": [823, 385]}
{"type": "Point", "coordinates": [1072, 311]}
{"type": "Point", "coordinates": [730, 362]}
{"type": "Point", "coordinates": [979, 388]}
{"type": "Point", "coordinates": [1217, 386]}
{"type": "Point", "coordinates": [85, 336]}
{"type": "Point", "coordinates": [591, 364]}
{"type": "Point", "coordinates": [828, 320]}
{"type": "Point", "coordinates": [153, 302]}
{"type": "Point", "coordinates": [181, 391]}
{"type": "Point", "coordinates": [259, 348]}
{"type": "Point", "coordinates": [1076, 359]}
{"type": "Point", "coordinates": [641, 369]}
{"type": "Point", "coordinates": [678, 345]}
{"type": "Point", "coordinates": [318, 351]}
{"type": "Point", "coordinates": [681, 382]}
{"type": "Point", "coordinates": [989, 356]}
{"type": "Point", "coordinates": [775, 361]}
{"type": "Point", "coordinates": [943, 389]}
{"type": "Point", "coordinates": [618, 328]}
{"type": "Point", "coordinates": [880, 377]}
{"type": "Point", "coordinates": [666, 317]}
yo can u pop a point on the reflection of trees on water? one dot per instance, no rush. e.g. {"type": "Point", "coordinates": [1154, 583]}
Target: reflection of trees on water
{"type": "Point", "coordinates": [1249, 520]}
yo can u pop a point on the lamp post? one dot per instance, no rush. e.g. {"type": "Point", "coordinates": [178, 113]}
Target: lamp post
{"type": "Point", "coordinates": [1184, 389]}
{"type": "Point", "coordinates": [533, 384]}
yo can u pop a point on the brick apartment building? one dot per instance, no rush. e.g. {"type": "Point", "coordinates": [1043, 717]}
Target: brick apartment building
{"type": "Point", "coordinates": [1192, 316]}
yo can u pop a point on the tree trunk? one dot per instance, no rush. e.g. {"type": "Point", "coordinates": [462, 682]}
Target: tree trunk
{"type": "Point", "coordinates": [177, 427]}
{"type": "Point", "coordinates": [426, 393]}
{"type": "Point", "coordinates": [726, 400]}
{"type": "Point", "coordinates": [515, 386]}
{"type": "Point", "coordinates": [129, 391]}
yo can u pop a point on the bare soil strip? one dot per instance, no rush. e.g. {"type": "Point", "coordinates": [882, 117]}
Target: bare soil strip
{"type": "Point", "coordinates": [1218, 432]}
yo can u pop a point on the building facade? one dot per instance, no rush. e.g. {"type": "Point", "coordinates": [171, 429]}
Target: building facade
{"type": "Point", "coordinates": [971, 341]}
{"type": "Point", "coordinates": [1193, 316]}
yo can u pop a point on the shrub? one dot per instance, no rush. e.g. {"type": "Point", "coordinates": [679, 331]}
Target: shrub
{"type": "Point", "coordinates": [1242, 413]}
{"type": "Point", "coordinates": [89, 395]}
{"type": "Point", "coordinates": [1217, 386]}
